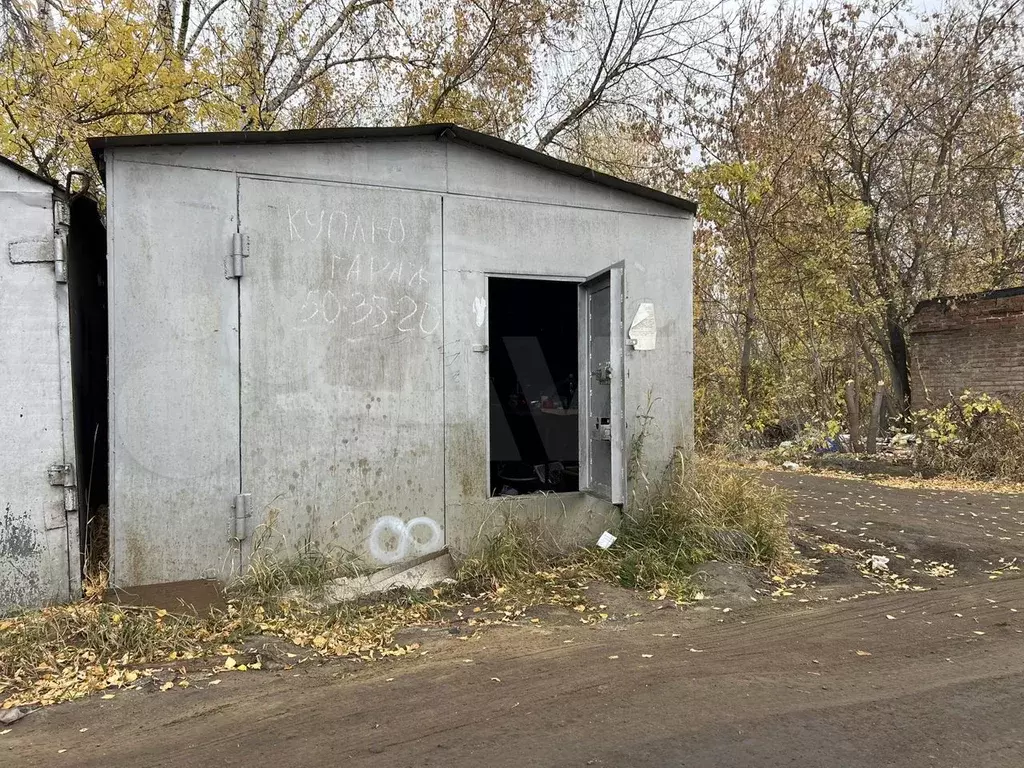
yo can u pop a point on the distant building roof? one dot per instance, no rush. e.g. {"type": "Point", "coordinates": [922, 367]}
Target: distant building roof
{"type": "Point", "coordinates": [963, 298]}
{"type": "Point", "coordinates": [437, 130]}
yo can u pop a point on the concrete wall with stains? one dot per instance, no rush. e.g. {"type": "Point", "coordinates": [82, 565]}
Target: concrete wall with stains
{"type": "Point", "coordinates": [336, 381]}
{"type": "Point", "coordinates": [505, 218]}
{"type": "Point", "coordinates": [35, 532]}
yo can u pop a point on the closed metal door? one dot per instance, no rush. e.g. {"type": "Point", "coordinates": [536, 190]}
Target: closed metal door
{"type": "Point", "coordinates": [173, 373]}
{"type": "Point", "coordinates": [38, 517]}
{"type": "Point", "coordinates": [341, 373]}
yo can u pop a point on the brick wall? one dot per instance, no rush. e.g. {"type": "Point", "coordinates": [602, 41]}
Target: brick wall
{"type": "Point", "coordinates": [974, 343]}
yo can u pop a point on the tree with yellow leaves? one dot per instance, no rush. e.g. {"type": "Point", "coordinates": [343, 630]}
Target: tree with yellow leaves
{"type": "Point", "coordinates": [91, 69]}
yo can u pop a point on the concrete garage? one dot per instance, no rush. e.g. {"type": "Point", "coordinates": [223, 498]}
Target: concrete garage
{"type": "Point", "coordinates": [385, 340]}
{"type": "Point", "coordinates": [52, 324]}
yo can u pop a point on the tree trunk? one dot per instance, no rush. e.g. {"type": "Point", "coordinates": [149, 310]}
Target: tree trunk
{"type": "Point", "coordinates": [186, 12]}
{"type": "Point", "coordinates": [252, 117]}
{"type": "Point", "coordinates": [876, 417]}
{"type": "Point", "coordinates": [749, 318]}
{"type": "Point", "coordinates": [746, 353]}
{"type": "Point", "coordinates": [897, 357]}
{"type": "Point", "coordinates": [165, 22]}
{"type": "Point", "coordinates": [853, 415]}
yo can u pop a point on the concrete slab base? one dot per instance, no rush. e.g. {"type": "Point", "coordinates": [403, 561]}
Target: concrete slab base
{"type": "Point", "coordinates": [422, 572]}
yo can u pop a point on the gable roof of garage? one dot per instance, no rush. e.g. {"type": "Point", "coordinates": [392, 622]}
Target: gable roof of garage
{"type": "Point", "coordinates": [440, 131]}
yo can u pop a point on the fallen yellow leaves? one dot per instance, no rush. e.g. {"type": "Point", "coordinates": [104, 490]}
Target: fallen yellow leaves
{"type": "Point", "coordinates": [940, 483]}
{"type": "Point", "coordinates": [62, 653]}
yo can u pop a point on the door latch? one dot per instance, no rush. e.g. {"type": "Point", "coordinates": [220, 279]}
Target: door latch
{"type": "Point", "coordinates": [603, 373]}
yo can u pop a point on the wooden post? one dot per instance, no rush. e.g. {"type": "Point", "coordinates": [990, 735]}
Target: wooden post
{"type": "Point", "coordinates": [876, 417]}
{"type": "Point", "coordinates": [853, 415]}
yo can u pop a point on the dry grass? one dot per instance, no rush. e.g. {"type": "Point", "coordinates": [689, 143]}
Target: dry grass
{"type": "Point", "coordinates": [707, 512]}
{"type": "Point", "coordinates": [521, 567]}
{"type": "Point", "coordinates": [275, 569]}
{"type": "Point", "coordinates": [518, 549]}
{"type": "Point", "coordinates": [66, 652]}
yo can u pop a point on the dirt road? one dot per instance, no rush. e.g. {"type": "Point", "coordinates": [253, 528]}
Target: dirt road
{"type": "Point", "coordinates": [933, 538]}
{"type": "Point", "coordinates": [916, 678]}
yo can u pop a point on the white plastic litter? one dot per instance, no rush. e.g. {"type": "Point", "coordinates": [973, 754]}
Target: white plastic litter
{"type": "Point", "coordinates": [605, 540]}
{"type": "Point", "coordinates": [879, 563]}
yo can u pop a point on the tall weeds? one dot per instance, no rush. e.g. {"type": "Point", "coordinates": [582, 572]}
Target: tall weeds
{"type": "Point", "coordinates": [706, 512]}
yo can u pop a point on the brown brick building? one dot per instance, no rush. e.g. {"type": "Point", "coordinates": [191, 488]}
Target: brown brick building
{"type": "Point", "coordinates": [973, 342]}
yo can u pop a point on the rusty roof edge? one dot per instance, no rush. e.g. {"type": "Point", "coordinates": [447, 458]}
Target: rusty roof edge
{"type": "Point", "coordinates": [995, 293]}
{"type": "Point", "coordinates": [440, 131]}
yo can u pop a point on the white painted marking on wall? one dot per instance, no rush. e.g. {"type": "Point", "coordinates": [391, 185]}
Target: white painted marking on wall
{"type": "Point", "coordinates": [480, 310]}
{"type": "Point", "coordinates": [308, 225]}
{"type": "Point", "coordinates": [406, 539]}
{"type": "Point", "coordinates": [364, 289]}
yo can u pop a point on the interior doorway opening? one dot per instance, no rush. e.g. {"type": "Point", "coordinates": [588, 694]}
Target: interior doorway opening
{"type": "Point", "coordinates": [533, 343]}
{"type": "Point", "coordinates": [89, 326]}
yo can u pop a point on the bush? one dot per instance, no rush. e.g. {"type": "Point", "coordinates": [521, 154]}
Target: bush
{"type": "Point", "coordinates": [708, 512]}
{"type": "Point", "coordinates": [975, 437]}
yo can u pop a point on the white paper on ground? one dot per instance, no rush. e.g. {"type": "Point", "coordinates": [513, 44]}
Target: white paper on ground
{"type": "Point", "coordinates": [605, 540]}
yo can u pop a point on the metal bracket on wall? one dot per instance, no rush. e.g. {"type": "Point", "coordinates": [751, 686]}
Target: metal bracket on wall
{"type": "Point", "coordinates": [234, 264]}
{"type": "Point", "coordinates": [239, 517]}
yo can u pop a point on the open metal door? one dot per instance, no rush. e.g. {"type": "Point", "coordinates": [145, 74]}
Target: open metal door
{"type": "Point", "coordinates": [602, 386]}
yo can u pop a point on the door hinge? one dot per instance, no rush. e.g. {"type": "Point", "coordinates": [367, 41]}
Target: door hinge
{"type": "Point", "coordinates": [234, 264]}
{"type": "Point", "coordinates": [60, 257]}
{"type": "Point", "coordinates": [61, 213]}
{"type": "Point", "coordinates": [64, 475]}
{"type": "Point", "coordinates": [61, 226]}
{"type": "Point", "coordinates": [239, 516]}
